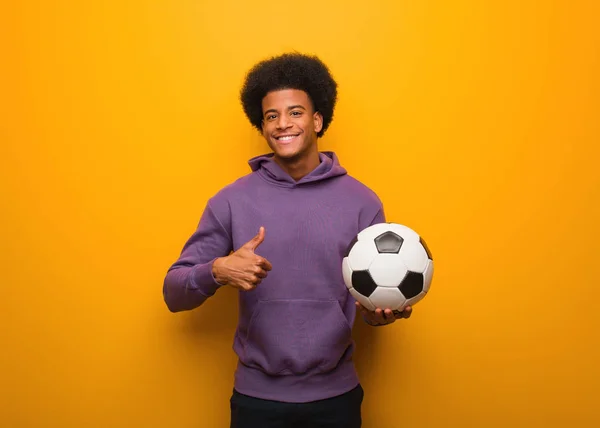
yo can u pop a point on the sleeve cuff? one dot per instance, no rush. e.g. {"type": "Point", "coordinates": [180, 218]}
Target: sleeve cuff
{"type": "Point", "coordinates": [202, 279]}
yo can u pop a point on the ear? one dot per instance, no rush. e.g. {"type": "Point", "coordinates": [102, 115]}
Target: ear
{"type": "Point", "coordinates": [318, 121]}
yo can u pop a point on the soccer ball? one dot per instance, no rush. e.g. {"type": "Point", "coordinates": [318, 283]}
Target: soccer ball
{"type": "Point", "coordinates": [387, 265]}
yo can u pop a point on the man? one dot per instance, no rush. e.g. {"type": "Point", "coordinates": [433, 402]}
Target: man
{"type": "Point", "coordinates": [278, 235]}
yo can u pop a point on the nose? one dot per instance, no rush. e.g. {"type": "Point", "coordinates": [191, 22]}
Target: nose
{"type": "Point", "coordinates": [283, 122]}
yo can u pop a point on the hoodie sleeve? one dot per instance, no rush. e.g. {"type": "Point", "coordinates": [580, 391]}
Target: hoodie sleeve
{"type": "Point", "coordinates": [189, 281]}
{"type": "Point", "coordinates": [379, 217]}
{"type": "Point", "coordinates": [374, 215]}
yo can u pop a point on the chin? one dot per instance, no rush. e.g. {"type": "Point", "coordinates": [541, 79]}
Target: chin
{"type": "Point", "coordinates": [285, 152]}
{"type": "Point", "coordinates": [288, 154]}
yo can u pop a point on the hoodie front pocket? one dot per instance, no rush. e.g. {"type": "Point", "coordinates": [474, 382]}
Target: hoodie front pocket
{"type": "Point", "coordinates": [296, 336]}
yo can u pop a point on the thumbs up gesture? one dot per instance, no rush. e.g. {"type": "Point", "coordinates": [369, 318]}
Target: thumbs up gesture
{"type": "Point", "coordinates": [243, 269]}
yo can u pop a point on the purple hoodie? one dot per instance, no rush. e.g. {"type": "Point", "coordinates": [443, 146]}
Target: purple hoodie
{"type": "Point", "coordinates": [294, 336]}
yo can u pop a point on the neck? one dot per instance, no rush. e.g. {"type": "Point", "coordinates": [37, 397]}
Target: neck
{"type": "Point", "coordinates": [299, 167]}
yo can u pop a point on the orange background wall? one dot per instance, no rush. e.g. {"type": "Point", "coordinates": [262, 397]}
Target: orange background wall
{"type": "Point", "coordinates": [476, 122]}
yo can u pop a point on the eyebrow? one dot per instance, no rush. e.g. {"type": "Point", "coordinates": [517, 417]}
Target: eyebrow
{"type": "Point", "coordinates": [272, 110]}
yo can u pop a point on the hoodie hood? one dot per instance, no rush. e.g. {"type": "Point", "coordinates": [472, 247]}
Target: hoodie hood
{"type": "Point", "coordinates": [266, 166]}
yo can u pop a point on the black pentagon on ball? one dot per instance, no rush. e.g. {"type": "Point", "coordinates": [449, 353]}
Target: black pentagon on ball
{"type": "Point", "coordinates": [363, 283]}
{"type": "Point", "coordinates": [422, 241]}
{"type": "Point", "coordinates": [388, 242]}
{"type": "Point", "coordinates": [411, 285]}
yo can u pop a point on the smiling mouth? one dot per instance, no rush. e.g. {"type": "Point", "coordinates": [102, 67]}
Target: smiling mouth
{"type": "Point", "coordinates": [286, 138]}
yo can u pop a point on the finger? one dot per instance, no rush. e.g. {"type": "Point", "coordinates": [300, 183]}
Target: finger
{"type": "Point", "coordinates": [248, 286]}
{"type": "Point", "coordinates": [389, 316]}
{"type": "Point", "coordinates": [256, 241]}
{"type": "Point", "coordinates": [260, 273]}
{"type": "Point", "coordinates": [407, 312]}
{"type": "Point", "coordinates": [362, 309]}
{"type": "Point", "coordinates": [368, 316]}
{"type": "Point", "coordinates": [250, 280]}
{"type": "Point", "coordinates": [379, 316]}
{"type": "Point", "coordinates": [264, 263]}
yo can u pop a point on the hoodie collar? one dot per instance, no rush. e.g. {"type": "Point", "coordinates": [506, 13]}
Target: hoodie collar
{"type": "Point", "coordinates": [264, 165]}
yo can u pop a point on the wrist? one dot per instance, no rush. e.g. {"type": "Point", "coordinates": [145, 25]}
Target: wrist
{"type": "Point", "coordinates": [217, 271]}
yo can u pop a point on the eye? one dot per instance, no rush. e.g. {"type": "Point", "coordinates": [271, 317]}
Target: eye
{"type": "Point", "coordinates": [271, 116]}
{"type": "Point", "coordinates": [296, 113]}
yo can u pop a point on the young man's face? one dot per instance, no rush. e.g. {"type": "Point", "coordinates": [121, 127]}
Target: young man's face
{"type": "Point", "coordinates": [290, 125]}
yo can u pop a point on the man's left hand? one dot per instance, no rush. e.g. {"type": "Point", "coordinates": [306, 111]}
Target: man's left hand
{"type": "Point", "coordinates": [383, 317]}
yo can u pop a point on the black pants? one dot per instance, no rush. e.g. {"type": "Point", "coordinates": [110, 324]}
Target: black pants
{"type": "Point", "coordinates": [342, 411]}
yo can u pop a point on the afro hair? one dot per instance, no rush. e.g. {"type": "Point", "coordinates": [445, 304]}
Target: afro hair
{"type": "Point", "coordinates": [289, 71]}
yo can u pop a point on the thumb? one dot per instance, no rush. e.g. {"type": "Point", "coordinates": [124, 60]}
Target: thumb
{"type": "Point", "coordinates": [257, 240]}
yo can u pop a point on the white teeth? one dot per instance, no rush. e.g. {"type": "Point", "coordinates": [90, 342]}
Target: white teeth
{"type": "Point", "coordinates": [286, 138]}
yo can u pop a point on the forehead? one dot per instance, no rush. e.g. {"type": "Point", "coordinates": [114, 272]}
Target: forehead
{"type": "Point", "coordinates": [284, 98]}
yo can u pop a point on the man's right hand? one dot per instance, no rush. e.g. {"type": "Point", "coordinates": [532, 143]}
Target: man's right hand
{"type": "Point", "coordinates": [243, 269]}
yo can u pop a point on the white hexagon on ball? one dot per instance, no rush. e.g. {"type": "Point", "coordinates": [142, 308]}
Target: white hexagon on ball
{"type": "Point", "coordinates": [362, 254]}
{"type": "Point", "coordinates": [388, 298]}
{"type": "Point", "coordinates": [414, 256]}
{"type": "Point", "coordinates": [387, 270]}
